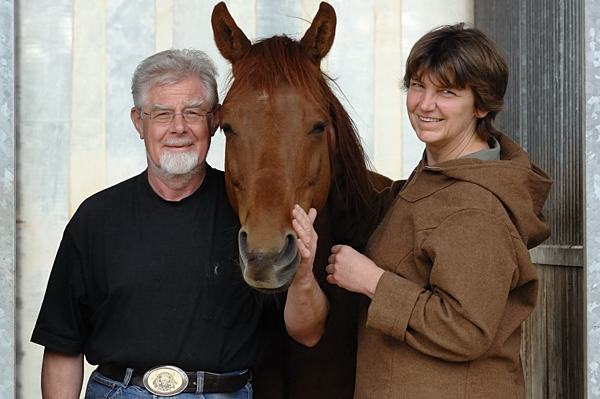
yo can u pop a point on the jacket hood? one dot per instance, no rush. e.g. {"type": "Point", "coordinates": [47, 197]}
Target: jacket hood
{"type": "Point", "coordinates": [520, 185]}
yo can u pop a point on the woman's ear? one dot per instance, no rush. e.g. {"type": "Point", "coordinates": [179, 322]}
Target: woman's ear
{"type": "Point", "coordinates": [480, 114]}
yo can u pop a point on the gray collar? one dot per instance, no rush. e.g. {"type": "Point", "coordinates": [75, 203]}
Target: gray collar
{"type": "Point", "coordinates": [493, 154]}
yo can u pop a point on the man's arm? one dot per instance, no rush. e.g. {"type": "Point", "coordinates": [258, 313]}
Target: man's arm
{"type": "Point", "coordinates": [306, 307]}
{"type": "Point", "coordinates": [62, 375]}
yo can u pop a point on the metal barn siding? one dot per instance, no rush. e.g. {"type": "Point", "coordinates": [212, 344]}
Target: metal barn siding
{"type": "Point", "coordinates": [543, 44]}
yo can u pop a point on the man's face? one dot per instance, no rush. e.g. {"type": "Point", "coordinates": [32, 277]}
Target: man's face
{"type": "Point", "coordinates": [178, 146]}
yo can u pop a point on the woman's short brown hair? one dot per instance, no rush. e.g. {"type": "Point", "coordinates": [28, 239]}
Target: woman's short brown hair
{"type": "Point", "coordinates": [460, 56]}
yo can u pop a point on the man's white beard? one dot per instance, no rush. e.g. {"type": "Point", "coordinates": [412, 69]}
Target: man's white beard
{"type": "Point", "coordinates": [177, 165]}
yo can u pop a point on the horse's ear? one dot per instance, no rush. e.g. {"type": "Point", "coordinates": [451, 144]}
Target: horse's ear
{"type": "Point", "coordinates": [318, 39]}
{"type": "Point", "coordinates": [230, 40]}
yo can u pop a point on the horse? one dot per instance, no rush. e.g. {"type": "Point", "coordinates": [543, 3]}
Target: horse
{"type": "Point", "coordinates": [289, 140]}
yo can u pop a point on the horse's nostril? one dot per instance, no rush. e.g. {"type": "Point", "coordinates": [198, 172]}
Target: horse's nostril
{"type": "Point", "coordinates": [243, 248]}
{"type": "Point", "coordinates": [290, 250]}
{"type": "Point", "coordinates": [242, 237]}
{"type": "Point", "coordinates": [291, 241]}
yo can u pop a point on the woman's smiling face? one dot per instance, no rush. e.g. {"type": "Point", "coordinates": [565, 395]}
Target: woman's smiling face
{"type": "Point", "coordinates": [441, 117]}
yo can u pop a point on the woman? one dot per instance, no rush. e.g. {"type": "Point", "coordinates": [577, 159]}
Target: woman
{"type": "Point", "coordinates": [447, 278]}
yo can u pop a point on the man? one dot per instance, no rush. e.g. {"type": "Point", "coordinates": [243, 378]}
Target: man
{"type": "Point", "coordinates": [146, 283]}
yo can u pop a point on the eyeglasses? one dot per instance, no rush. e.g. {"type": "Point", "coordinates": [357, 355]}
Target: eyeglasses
{"type": "Point", "coordinates": [191, 115]}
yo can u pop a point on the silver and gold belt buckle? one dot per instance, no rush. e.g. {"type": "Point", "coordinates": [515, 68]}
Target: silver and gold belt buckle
{"type": "Point", "coordinates": [166, 380]}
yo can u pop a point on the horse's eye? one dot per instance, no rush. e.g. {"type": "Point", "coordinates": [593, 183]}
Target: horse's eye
{"type": "Point", "coordinates": [319, 128]}
{"type": "Point", "coordinates": [227, 129]}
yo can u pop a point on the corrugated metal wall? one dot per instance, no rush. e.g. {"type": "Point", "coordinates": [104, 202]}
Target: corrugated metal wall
{"type": "Point", "coordinates": [543, 43]}
{"type": "Point", "coordinates": [592, 196]}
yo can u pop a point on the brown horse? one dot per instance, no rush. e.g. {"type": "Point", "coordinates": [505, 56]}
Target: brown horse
{"type": "Point", "coordinates": [289, 140]}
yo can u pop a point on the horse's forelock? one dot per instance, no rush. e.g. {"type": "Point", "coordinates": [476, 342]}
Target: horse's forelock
{"type": "Point", "coordinates": [275, 62]}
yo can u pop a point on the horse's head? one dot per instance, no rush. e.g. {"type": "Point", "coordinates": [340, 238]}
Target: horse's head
{"type": "Point", "coordinates": [280, 119]}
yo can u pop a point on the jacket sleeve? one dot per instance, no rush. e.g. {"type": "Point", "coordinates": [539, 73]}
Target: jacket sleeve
{"type": "Point", "coordinates": [473, 267]}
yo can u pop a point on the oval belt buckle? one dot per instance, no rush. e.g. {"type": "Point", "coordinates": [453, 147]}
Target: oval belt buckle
{"type": "Point", "coordinates": [165, 380]}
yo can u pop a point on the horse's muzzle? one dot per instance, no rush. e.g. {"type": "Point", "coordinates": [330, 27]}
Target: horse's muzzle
{"type": "Point", "coordinates": [269, 271]}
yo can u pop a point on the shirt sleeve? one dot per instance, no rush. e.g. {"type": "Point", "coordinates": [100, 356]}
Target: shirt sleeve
{"type": "Point", "coordinates": [473, 268]}
{"type": "Point", "coordinates": [61, 323]}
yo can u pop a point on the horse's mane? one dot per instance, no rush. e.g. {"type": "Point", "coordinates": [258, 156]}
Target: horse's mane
{"type": "Point", "coordinates": [280, 60]}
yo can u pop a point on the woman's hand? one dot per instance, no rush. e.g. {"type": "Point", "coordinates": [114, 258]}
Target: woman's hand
{"type": "Point", "coordinates": [353, 271]}
{"type": "Point", "coordinates": [306, 307]}
{"type": "Point", "coordinates": [307, 242]}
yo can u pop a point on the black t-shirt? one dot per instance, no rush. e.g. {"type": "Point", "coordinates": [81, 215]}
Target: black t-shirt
{"type": "Point", "coordinates": [140, 282]}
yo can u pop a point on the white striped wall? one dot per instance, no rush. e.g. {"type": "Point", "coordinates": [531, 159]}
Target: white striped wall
{"type": "Point", "coordinates": [75, 60]}
{"type": "Point", "coordinates": [7, 202]}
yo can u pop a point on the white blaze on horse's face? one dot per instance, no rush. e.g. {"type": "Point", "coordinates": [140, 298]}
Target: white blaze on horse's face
{"type": "Point", "coordinates": [263, 97]}
{"type": "Point", "coordinates": [276, 155]}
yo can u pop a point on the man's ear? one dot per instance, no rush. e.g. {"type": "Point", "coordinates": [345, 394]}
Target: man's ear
{"type": "Point", "coordinates": [136, 118]}
{"type": "Point", "coordinates": [216, 119]}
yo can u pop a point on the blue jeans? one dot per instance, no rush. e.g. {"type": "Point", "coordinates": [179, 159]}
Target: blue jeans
{"type": "Point", "coordinates": [100, 387]}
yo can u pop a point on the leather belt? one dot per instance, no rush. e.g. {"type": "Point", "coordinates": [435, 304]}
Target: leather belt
{"type": "Point", "coordinates": [174, 380]}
